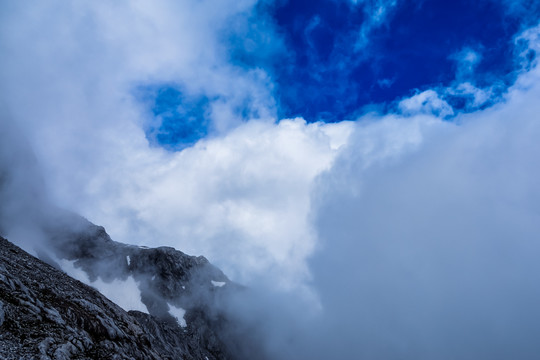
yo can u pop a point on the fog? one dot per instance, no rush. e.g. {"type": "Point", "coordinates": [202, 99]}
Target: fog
{"type": "Point", "coordinates": [22, 189]}
{"type": "Point", "coordinates": [433, 254]}
{"type": "Point", "coordinates": [427, 242]}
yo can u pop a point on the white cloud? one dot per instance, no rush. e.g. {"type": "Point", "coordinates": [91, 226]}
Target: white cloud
{"type": "Point", "coordinates": [434, 242]}
{"type": "Point", "coordinates": [240, 197]}
{"type": "Point", "coordinates": [377, 13]}
{"type": "Point", "coordinates": [466, 89]}
{"type": "Point", "coordinates": [425, 102]}
{"type": "Point", "coordinates": [86, 54]}
{"type": "Point", "coordinates": [427, 238]}
{"type": "Point", "coordinates": [528, 46]}
{"type": "Point", "coordinates": [467, 59]}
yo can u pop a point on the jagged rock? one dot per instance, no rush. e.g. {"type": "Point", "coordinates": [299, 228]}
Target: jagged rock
{"type": "Point", "coordinates": [45, 314]}
{"type": "Point", "coordinates": [165, 276]}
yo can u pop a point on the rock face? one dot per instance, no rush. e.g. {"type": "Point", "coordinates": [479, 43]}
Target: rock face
{"type": "Point", "coordinates": [166, 277]}
{"type": "Point", "coordinates": [45, 314]}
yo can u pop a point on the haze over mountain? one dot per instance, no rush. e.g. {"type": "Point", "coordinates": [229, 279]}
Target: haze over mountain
{"type": "Point", "coordinates": [168, 305]}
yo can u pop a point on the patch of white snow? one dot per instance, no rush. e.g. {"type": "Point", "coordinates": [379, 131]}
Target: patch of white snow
{"type": "Point", "coordinates": [178, 313]}
{"type": "Point", "coordinates": [124, 293]}
{"type": "Point", "coordinates": [218, 283]}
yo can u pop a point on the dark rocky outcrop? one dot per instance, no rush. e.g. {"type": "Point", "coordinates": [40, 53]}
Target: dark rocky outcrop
{"type": "Point", "coordinates": [45, 314]}
{"type": "Point", "coordinates": [164, 274]}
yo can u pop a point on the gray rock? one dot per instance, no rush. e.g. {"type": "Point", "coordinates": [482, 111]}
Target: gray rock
{"type": "Point", "coordinates": [45, 314]}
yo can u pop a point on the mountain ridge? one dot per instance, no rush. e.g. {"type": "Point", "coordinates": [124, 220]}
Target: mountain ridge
{"type": "Point", "coordinates": [46, 314]}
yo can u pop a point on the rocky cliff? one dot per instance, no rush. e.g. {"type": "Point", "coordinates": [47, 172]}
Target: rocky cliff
{"type": "Point", "coordinates": [46, 314]}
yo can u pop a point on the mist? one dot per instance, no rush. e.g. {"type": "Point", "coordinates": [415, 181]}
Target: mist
{"type": "Point", "coordinates": [434, 254]}
{"type": "Point", "coordinates": [23, 196]}
{"type": "Point", "coordinates": [398, 235]}
{"type": "Point", "coordinates": [427, 243]}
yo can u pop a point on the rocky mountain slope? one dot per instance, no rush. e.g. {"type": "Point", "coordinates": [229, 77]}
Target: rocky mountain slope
{"type": "Point", "coordinates": [166, 277]}
{"type": "Point", "coordinates": [45, 314]}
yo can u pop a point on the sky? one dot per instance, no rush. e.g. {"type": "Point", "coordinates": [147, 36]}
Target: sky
{"type": "Point", "coordinates": [374, 163]}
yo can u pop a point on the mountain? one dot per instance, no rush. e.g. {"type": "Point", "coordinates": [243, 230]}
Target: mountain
{"type": "Point", "coordinates": [46, 314]}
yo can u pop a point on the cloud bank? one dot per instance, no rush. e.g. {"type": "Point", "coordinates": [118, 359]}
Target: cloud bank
{"type": "Point", "coordinates": [413, 237]}
{"type": "Point", "coordinates": [433, 247]}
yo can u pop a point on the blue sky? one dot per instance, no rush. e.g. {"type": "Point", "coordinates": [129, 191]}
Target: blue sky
{"type": "Point", "coordinates": [333, 60]}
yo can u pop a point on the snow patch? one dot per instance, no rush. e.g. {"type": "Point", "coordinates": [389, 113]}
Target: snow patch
{"type": "Point", "coordinates": [178, 313]}
{"type": "Point", "coordinates": [218, 283]}
{"type": "Point", "coordinates": [124, 293]}
{"type": "Point", "coordinates": [128, 259]}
